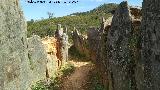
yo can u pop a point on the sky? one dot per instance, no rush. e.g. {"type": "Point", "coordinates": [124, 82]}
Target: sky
{"type": "Point", "coordinates": [38, 11]}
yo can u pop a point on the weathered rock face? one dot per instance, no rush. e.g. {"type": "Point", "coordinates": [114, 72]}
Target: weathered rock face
{"type": "Point", "coordinates": [115, 48]}
{"type": "Point", "coordinates": [65, 46]}
{"type": "Point", "coordinates": [136, 12]}
{"type": "Point", "coordinates": [23, 62]}
{"type": "Point", "coordinates": [118, 48]}
{"type": "Point", "coordinates": [61, 45]}
{"type": "Point", "coordinates": [50, 47]}
{"type": "Point", "coordinates": [14, 66]}
{"type": "Point", "coordinates": [77, 39]}
{"type": "Point", "coordinates": [37, 59]}
{"type": "Point", "coordinates": [149, 65]}
{"type": "Point", "coordinates": [97, 47]}
{"type": "Point", "coordinates": [102, 54]}
{"type": "Point", "coordinates": [80, 43]}
{"type": "Point", "coordinates": [93, 40]}
{"type": "Point", "coordinates": [57, 49]}
{"type": "Point", "coordinates": [97, 40]}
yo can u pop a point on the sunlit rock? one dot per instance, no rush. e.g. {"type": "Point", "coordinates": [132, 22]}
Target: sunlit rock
{"type": "Point", "coordinates": [37, 59]}
{"type": "Point", "coordinates": [14, 66]}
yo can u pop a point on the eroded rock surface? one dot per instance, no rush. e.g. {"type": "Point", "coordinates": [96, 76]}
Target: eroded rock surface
{"type": "Point", "coordinates": [149, 65]}
{"type": "Point", "coordinates": [80, 43]}
{"type": "Point", "coordinates": [118, 47]}
{"type": "Point", "coordinates": [52, 61]}
{"type": "Point", "coordinates": [115, 49]}
{"type": "Point", "coordinates": [14, 66]}
{"type": "Point", "coordinates": [37, 59]}
{"type": "Point", "coordinates": [24, 62]}
{"type": "Point", "coordinates": [61, 45]}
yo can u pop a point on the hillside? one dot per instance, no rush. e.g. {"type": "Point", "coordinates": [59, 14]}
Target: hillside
{"type": "Point", "coordinates": [82, 21]}
{"type": "Point", "coordinates": [100, 10]}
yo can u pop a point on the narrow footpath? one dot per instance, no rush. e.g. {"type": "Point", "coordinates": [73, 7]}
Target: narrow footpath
{"type": "Point", "coordinates": [78, 79]}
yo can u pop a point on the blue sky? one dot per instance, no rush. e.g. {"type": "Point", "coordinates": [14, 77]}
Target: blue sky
{"type": "Point", "coordinates": [37, 11]}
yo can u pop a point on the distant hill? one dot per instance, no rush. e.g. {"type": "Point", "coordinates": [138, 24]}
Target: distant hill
{"type": "Point", "coordinates": [101, 10]}
{"type": "Point", "coordinates": [82, 21]}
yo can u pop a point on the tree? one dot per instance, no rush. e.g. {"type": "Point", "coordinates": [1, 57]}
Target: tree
{"type": "Point", "coordinates": [32, 20]}
{"type": "Point", "coordinates": [50, 14]}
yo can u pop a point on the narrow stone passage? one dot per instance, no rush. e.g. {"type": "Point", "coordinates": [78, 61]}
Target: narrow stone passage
{"type": "Point", "coordinates": [79, 78]}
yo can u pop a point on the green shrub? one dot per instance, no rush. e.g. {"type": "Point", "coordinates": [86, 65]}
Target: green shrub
{"type": "Point", "coordinates": [67, 69]}
{"type": "Point", "coordinates": [55, 82]}
{"type": "Point", "coordinates": [40, 85]}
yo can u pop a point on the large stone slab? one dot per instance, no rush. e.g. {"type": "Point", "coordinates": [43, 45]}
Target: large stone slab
{"type": "Point", "coordinates": [118, 48]}
{"type": "Point", "coordinates": [13, 47]}
{"type": "Point", "coordinates": [61, 45]}
{"type": "Point", "coordinates": [50, 44]}
{"type": "Point", "coordinates": [37, 59]}
{"type": "Point", "coordinates": [149, 65]}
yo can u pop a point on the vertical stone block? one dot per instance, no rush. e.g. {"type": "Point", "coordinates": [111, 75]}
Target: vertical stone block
{"type": "Point", "coordinates": [13, 47]}
{"type": "Point", "coordinates": [149, 78]}
{"type": "Point", "coordinates": [37, 59]}
{"type": "Point", "coordinates": [118, 48]}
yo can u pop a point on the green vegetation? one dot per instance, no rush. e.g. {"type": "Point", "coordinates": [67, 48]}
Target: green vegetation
{"type": "Point", "coordinates": [66, 70]}
{"type": "Point", "coordinates": [82, 21]}
{"type": "Point", "coordinates": [54, 83]}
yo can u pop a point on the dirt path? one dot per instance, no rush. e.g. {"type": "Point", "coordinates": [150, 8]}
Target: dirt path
{"type": "Point", "coordinates": [79, 78]}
